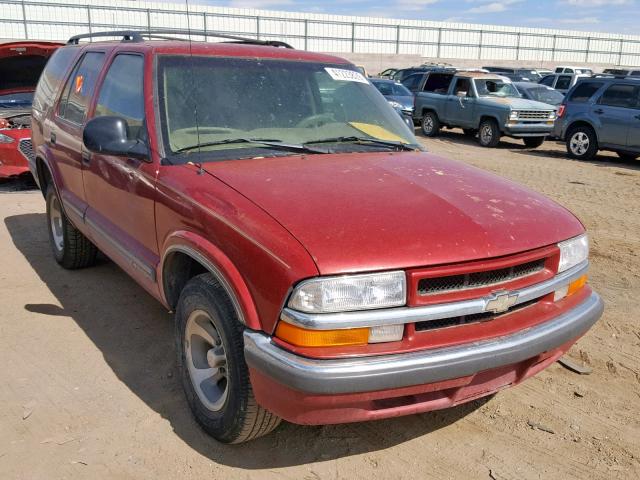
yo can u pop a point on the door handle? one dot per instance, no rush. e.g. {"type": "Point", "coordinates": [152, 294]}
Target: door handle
{"type": "Point", "coordinates": [86, 158]}
{"type": "Point", "coordinates": [599, 111]}
{"type": "Point", "coordinates": [53, 138]}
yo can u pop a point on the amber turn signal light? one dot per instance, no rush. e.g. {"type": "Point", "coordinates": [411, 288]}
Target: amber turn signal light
{"type": "Point", "coordinates": [302, 337]}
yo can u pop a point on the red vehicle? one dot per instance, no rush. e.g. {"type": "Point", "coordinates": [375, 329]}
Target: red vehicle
{"type": "Point", "coordinates": [323, 268]}
{"type": "Point", "coordinates": [21, 64]}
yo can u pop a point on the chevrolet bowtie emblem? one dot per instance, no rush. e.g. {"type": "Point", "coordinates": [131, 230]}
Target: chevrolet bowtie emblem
{"type": "Point", "coordinates": [500, 302]}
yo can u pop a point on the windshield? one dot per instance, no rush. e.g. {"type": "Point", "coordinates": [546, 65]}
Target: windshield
{"type": "Point", "coordinates": [392, 89]}
{"type": "Point", "coordinates": [545, 95]}
{"type": "Point", "coordinates": [220, 103]}
{"type": "Point", "coordinates": [13, 100]}
{"type": "Point", "coordinates": [495, 88]}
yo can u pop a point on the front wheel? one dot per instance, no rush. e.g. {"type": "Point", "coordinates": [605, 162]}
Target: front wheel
{"type": "Point", "coordinates": [582, 143]}
{"type": "Point", "coordinates": [430, 124]}
{"type": "Point", "coordinates": [70, 247]}
{"type": "Point", "coordinates": [214, 373]}
{"type": "Point", "coordinates": [533, 142]}
{"type": "Point", "coordinates": [489, 134]}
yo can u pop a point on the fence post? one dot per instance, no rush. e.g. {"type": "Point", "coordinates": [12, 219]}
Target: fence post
{"type": "Point", "coordinates": [24, 21]}
{"type": "Point", "coordinates": [397, 39]}
{"type": "Point", "coordinates": [620, 52]}
{"type": "Point", "coordinates": [586, 55]}
{"type": "Point", "coordinates": [518, 48]}
{"type": "Point", "coordinates": [204, 25]}
{"type": "Point", "coordinates": [480, 46]}
{"type": "Point", "coordinates": [553, 48]}
{"type": "Point", "coordinates": [89, 21]}
{"type": "Point", "coordinates": [439, 42]}
{"type": "Point", "coordinates": [148, 21]}
{"type": "Point", "coordinates": [306, 34]}
{"type": "Point", "coordinates": [353, 37]}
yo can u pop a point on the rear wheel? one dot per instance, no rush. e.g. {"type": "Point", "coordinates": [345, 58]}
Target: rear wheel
{"type": "Point", "coordinates": [489, 134]}
{"type": "Point", "coordinates": [70, 247]}
{"type": "Point", "coordinates": [582, 143]}
{"type": "Point", "coordinates": [214, 373]}
{"type": "Point", "coordinates": [430, 124]}
{"type": "Point", "coordinates": [628, 156]}
{"type": "Point", "coordinates": [533, 142]}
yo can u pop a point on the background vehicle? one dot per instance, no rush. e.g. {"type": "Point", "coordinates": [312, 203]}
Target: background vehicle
{"type": "Point", "coordinates": [539, 93]}
{"type": "Point", "coordinates": [305, 241]}
{"type": "Point", "coordinates": [21, 64]}
{"type": "Point", "coordinates": [388, 73]}
{"type": "Point", "coordinates": [416, 82]}
{"type": "Point", "coordinates": [402, 74]}
{"type": "Point", "coordinates": [601, 113]}
{"type": "Point", "coordinates": [622, 71]}
{"type": "Point", "coordinates": [396, 94]}
{"type": "Point", "coordinates": [483, 103]}
{"type": "Point", "coordinates": [562, 81]}
{"type": "Point", "coordinates": [573, 69]}
{"type": "Point", "coordinates": [517, 74]}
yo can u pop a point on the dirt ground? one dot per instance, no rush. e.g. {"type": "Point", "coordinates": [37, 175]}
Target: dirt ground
{"type": "Point", "coordinates": [88, 386]}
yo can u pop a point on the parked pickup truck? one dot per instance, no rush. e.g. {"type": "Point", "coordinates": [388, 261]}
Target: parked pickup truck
{"type": "Point", "coordinates": [487, 105]}
{"type": "Point", "coordinates": [322, 267]}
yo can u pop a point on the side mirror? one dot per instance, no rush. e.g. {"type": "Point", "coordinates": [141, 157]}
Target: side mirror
{"type": "Point", "coordinates": [109, 135]}
{"type": "Point", "coordinates": [462, 94]}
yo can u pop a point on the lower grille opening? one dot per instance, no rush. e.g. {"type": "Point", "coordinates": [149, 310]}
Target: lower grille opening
{"type": "Point", "coordinates": [468, 319]}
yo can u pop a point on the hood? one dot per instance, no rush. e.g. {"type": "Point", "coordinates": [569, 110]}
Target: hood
{"type": "Point", "coordinates": [362, 212]}
{"type": "Point", "coordinates": [21, 63]}
{"type": "Point", "coordinates": [520, 103]}
{"type": "Point", "coordinates": [405, 101]}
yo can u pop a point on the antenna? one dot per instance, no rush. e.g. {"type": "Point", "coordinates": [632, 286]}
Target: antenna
{"type": "Point", "coordinates": [193, 89]}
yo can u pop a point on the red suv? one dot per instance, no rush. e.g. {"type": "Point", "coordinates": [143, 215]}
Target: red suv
{"type": "Point", "coordinates": [21, 63]}
{"type": "Point", "coordinates": [323, 268]}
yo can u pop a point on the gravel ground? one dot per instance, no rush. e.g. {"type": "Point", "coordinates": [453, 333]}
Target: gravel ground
{"type": "Point", "coordinates": [89, 387]}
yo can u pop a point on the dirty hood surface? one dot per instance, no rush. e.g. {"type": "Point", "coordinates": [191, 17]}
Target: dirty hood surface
{"type": "Point", "coordinates": [520, 103]}
{"type": "Point", "coordinates": [359, 212]}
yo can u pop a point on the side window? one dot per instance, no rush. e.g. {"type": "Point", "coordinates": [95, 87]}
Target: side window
{"type": "Point", "coordinates": [619, 95]}
{"type": "Point", "coordinates": [548, 80]}
{"type": "Point", "coordinates": [584, 91]}
{"type": "Point", "coordinates": [122, 92]}
{"type": "Point", "coordinates": [564, 82]}
{"type": "Point", "coordinates": [568, 70]}
{"type": "Point", "coordinates": [635, 73]}
{"type": "Point", "coordinates": [79, 88]}
{"type": "Point", "coordinates": [463, 85]}
{"type": "Point", "coordinates": [438, 83]}
{"type": "Point", "coordinates": [52, 77]}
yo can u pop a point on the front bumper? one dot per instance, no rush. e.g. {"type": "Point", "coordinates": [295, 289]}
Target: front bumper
{"type": "Point", "coordinates": [521, 130]}
{"type": "Point", "coordinates": [13, 161]}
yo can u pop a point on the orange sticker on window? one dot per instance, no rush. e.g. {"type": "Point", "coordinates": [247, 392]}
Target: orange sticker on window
{"type": "Point", "coordinates": [79, 83]}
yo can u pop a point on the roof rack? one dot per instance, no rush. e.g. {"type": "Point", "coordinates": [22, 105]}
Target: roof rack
{"type": "Point", "coordinates": [137, 36]}
{"type": "Point", "coordinates": [612, 75]}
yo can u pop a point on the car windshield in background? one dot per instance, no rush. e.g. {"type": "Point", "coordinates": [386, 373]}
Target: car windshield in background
{"type": "Point", "coordinates": [216, 106]}
{"type": "Point", "coordinates": [389, 89]}
{"type": "Point", "coordinates": [16, 100]}
{"type": "Point", "coordinates": [495, 88]}
{"type": "Point", "coordinates": [545, 95]}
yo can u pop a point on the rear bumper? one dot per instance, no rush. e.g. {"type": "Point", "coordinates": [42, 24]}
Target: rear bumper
{"type": "Point", "coordinates": [528, 130]}
{"type": "Point", "coordinates": [297, 382]}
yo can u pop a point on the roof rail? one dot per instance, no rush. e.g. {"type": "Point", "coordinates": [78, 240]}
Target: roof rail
{"type": "Point", "coordinates": [612, 75]}
{"type": "Point", "coordinates": [136, 36]}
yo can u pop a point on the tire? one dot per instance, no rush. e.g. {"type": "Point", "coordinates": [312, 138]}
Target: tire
{"type": "Point", "coordinates": [470, 132]}
{"type": "Point", "coordinates": [70, 247]}
{"type": "Point", "coordinates": [489, 133]}
{"type": "Point", "coordinates": [533, 142]}
{"type": "Point", "coordinates": [430, 124]}
{"type": "Point", "coordinates": [226, 409]}
{"type": "Point", "coordinates": [582, 142]}
{"type": "Point", "coordinates": [629, 157]}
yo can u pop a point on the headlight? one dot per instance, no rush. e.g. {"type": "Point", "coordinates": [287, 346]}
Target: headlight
{"type": "Point", "coordinates": [350, 292]}
{"type": "Point", "coordinates": [513, 115]}
{"type": "Point", "coordinates": [552, 115]}
{"type": "Point", "coordinates": [573, 252]}
{"type": "Point", "coordinates": [6, 139]}
{"type": "Point", "coordinates": [395, 104]}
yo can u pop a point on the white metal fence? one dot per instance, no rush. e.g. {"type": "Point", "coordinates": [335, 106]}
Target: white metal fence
{"type": "Point", "coordinates": [58, 20]}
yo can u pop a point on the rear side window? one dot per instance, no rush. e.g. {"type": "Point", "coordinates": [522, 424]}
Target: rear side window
{"type": "Point", "coordinates": [412, 81]}
{"type": "Point", "coordinates": [635, 73]}
{"type": "Point", "coordinates": [438, 83]}
{"type": "Point", "coordinates": [619, 95]}
{"type": "Point", "coordinates": [122, 92]}
{"type": "Point", "coordinates": [564, 82]}
{"type": "Point", "coordinates": [584, 91]}
{"type": "Point", "coordinates": [548, 80]}
{"type": "Point", "coordinates": [79, 88]}
{"type": "Point", "coordinates": [52, 77]}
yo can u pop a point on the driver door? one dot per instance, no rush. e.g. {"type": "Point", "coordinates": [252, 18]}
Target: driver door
{"type": "Point", "coordinates": [121, 190]}
{"type": "Point", "coordinates": [461, 104]}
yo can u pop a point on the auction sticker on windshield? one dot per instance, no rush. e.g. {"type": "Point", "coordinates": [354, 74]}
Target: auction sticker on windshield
{"type": "Point", "coordinates": [346, 75]}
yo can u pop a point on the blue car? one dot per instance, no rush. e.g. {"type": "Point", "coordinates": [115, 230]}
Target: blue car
{"type": "Point", "coordinates": [400, 98]}
{"type": "Point", "coordinates": [601, 113]}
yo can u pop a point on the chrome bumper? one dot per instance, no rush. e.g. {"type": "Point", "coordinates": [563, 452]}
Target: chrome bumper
{"type": "Point", "coordinates": [364, 374]}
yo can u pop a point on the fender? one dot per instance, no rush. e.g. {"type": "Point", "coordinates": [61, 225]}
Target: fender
{"type": "Point", "coordinates": [219, 265]}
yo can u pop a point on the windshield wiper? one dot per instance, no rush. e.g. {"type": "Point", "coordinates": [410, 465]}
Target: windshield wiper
{"type": "Point", "coordinates": [267, 142]}
{"type": "Point", "coordinates": [365, 140]}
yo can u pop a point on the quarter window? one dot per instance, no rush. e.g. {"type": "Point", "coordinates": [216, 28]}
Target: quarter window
{"type": "Point", "coordinates": [52, 77]}
{"type": "Point", "coordinates": [619, 95]}
{"type": "Point", "coordinates": [548, 80]}
{"type": "Point", "coordinates": [564, 82]}
{"type": "Point", "coordinates": [584, 91]}
{"type": "Point", "coordinates": [80, 87]}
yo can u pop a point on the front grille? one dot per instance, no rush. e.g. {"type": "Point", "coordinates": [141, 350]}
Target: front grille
{"type": "Point", "coordinates": [467, 319]}
{"type": "Point", "coordinates": [26, 149]}
{"type": "Point", "coordinates": [534, 114]}
{"type": "Point", "coordinates": [452, 283]}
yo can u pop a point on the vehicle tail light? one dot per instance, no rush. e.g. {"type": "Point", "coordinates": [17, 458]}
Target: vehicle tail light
{"type": "Point", "coordinates": [570, 289]}
{"type": "Point", "coordinates": [302, 337]}
{"type": "Point", "coordinates": [561, 110]}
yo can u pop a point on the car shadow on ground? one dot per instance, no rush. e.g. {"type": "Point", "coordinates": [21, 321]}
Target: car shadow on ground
{"type": "Point", "coordinates": [135, 336]}
{"type": "Point", "coordinates": [602, 159]}
{"type": "Point", "coordinates": [457, 136]}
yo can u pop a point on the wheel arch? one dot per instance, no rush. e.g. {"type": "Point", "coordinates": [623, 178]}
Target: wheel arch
{"type": "Point", "coordinates": [581, 122]}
